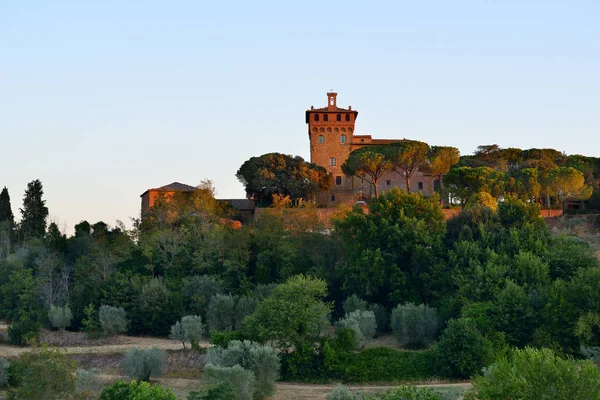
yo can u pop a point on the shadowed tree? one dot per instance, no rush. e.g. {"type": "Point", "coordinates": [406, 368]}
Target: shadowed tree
{"type": "Point", "coordinates": [440, 160]}
{"type": "Point", "coordinates": [368, 163]}
{"type": "Point", "coordinates": [34, 212]}
{"type": "Point", "coordinates": [7, 223]}
{"type": "Point", "coordinates": [566, 183]}
{"type": "Point", "coordinates": [407, 157]}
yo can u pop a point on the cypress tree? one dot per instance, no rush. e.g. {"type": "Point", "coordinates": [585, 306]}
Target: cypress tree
{"type": "Point", "coordinates": [6, 213]}
{"type": "Point", "coordinates": [34, 212]}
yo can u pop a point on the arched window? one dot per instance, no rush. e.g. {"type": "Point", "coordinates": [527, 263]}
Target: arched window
{"type": "Point", "coordinates": [325, 117]}
{"type": "Point", "coordinates": [315, 129]}
{"type": "Point", "coordinates": [343, 139]}
{"type": "Point", "coordinates": [329, 130]}
{"type": "Point", "coordinates": [321, 139]}
{"type": "Point", "coordinates": [339, 117]}
{"type": "Point", "coordinates": [321, 129]}
{"type": "Point", "coordinates": [332, 161]}
{"type": "Point", "coordinates": [347, 117]}
{"type": "Point", "coordinates": [336, 130]}
{"type": "Point", "coordinates": [349, 129]}
{"type": "Point", "coordinates": [316, 117]}
{"type": "Point", "coordinates": [343, 129]}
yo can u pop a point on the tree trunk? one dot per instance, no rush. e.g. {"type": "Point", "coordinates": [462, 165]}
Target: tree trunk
{"type": "Point", "coordinates": [376, 184]}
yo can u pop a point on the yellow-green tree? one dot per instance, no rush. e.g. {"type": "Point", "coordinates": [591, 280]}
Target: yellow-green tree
{"type": "Point", "coordinates": [368, 163]}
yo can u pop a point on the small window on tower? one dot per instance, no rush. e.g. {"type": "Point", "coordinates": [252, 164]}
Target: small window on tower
{"type": "Point", "coordinates": [332, 161]}
{"type": "Point", "coordinates": [347, 117]}
{"type": "Point", "coordinates": [339, 117]}
{"type": "Point", "coordinates": [420, 185]}
{"type": "Point", "coordinates": [321, 139]}
{"type": "Point", "coordinates": [316, 117]}
{"type": "Point", "coordinates": [325, 117]}
{"type": "Point", "coordinates": [343, 139]}
{"type": "Point", "coordinates": [338, 180]}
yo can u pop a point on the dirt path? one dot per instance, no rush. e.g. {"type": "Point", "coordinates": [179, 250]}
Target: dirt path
{"type": "Point", "coordinates": [128, 344]}
{"type": "Point", "coordinates": [283, 391]}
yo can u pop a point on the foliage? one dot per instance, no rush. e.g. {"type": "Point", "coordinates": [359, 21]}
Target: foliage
{"type": "Point", "coordinates": [537, 374]}
{"type": "Point", "coordinates": [406, 393]}
{"type": "Point", "coordinates": [368, 163]}
{"type": "Point", "coordinates": [112, 320]}
{"type": "Point", "coordinates": [292, 315]}
{"type": "Point", "coordinates": [88, 384]}
{"type": "Point", "coordinates": [221, 313]}
{"type": "Point", "coordinates": [4, 364]}
{"type": "Point", "coordinates": [42, 373]}
{"type": "Point", "coordinates": [90, 321]}
{"type": "Point", "coordinates": [244, 306]}
{"type": "Point", "coordinates": [23, 332]}
{"type": "Point", "coordinates": [462, 349]}
{"type": "Point", "coordinates": [219, 391]}
{"type": "Point", "coordinates": [363, 323]}
{"type": "Point", "coordinates": [136, 391]}
{"type": "Point", "coordinates": [222, 339]}
{"type": "Point", "coordinates": [282, 174]}
{"type": "Point", "coordinates": [261, 360]}
{"type": "Point", "coordinates": [354, 303]}
{"type": "Point", "coordinates": [198, 291]}
{"type": "Point", "coordinates": [414, 326]}
{"type": "Point", "coordinates": [406, 157]}
{"type": "Point", "coordinates": [482, 199]}
{"type": "Point", "coordinates": [178, 333]}
{"type": "Point", "coordinates": [142, 364]}
{"type": "Point", "coordinates": [340, 392]}
{"type": "Point", "coordinates": [60, 317]}
{"type": "Point", "coordinates": [241, 379]}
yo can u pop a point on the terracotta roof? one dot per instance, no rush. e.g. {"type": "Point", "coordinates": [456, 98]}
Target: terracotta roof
{"type": "Point", "coordinates": [336, 109]}
{"type": "Point", "coordinates": [176, 187]}
{"type": "Point", "coordinates": [240, 204]}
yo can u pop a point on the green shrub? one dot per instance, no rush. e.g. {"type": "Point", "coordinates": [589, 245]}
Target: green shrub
{"type": "Point", "coordinates": [532, 374]}
{"type": "Point", "coordinates": [340, 392]}
{"type": "Point", "coordinates": [354, 303]}
{"type": "Point", "coordinates": [241, 379]}
{"type": "Point", "coordinates": [263, 290]}
{"type": "Point", "coordinates": [219, 391]}
{"type": "Point", "coordinates": [90, 322]}
{"type": "Point", "coordinates": [136, 391]}
{"type": "Point", "coordinates": [382, 317]}
{"type": "Point", "coordinates": [346, 338]}
{"type": "Point", "coordinates": [4, 364]}
{"type": "Point", "coordinates": [87, 383]}
{"type": "Point", "coordinates": [414, 326]}
{"type": "Point", "coordinates": [60, 317]}
{"type": "Point", "coordinates": [112, 320]}
{"type": "Point", "coordinates": [198, 291]}
{"type": "Point", "coordinates": [462, 349]}
{"type": "Point", "coordinates": [178, 333]}
{"type": "Point", "coordinates": [245, 306]}
{"type": "Point", "coordinates": [363, 323]}
{"type": "Point", "coordinates": [42, 374]}
{"type": "Point", "coordinates": [222, 339]}
{"type": "Point", "coordinates": [23, 332]}
{"type": "Point", "coordinates": [194, 329]}
{"type": "Point", "coordinates": [261, 360]}
{"type": "Point", "coordinates": [142, 364]}
{"type": "Point", "coordinates": [221, 313]}
{"type": "Point", "coordinates": [383, 364]}
{"type": "Point", "coordinates": [406, 393]}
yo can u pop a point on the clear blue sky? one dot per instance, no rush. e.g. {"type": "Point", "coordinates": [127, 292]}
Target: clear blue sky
{"type": "Point", "coordinates": [104, 99]}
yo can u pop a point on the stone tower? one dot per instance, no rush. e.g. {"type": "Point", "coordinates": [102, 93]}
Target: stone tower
{"type": "Point", "coordinates": [331, 132]}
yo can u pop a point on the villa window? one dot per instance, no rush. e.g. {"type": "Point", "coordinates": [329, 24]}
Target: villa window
{"type": "Point", "coordinates": [420, 185]}
{"type": "Point", "coordinates": [343, 139]}
{"type": "Point", "coordinates": [316, 117]}
{"type": "Point", "coordinates": [325, 117]}
{"type": "Point", "coordinates": [338, 180]}
{"type": "Point", "coordinates": [321, 139]}
{"type": "Point", "coordinates": [339, 117]}
{"type": "Point", "coordinates": [347, 117]}
{"type": "Point", "coordinates": [332, 161]}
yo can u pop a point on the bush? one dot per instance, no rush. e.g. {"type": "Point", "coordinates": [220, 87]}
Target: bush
{"type": "Point", "coordinates": [221, 313]}
{"type": "Point", "coordinates": [60, 317]}
{"type": "Point", "coordinates": [136, 391]}
{"type": "Point", "coordinates": [406, 393]}
{"type": "Point", "coordinates": [222, 339]}
{"type": "Point", "coordinates": [261, 360]}
{"type": "Point", "coordinates": [346, 339]}
{"type": "Point", "coordinates": [382, 317]}
{"type": "Point", "coordinates": [178, 333]}
{"type": "Point", "coordinates": [21, 333]}
{"type": "Point", "coordinates": [112, 320]}
{"type": "Point", "coordinates": [462, 349]}
{"type": "Point", "coordinates": [340, 392]}
{"type": "Point", "coordinates": [245, 306]}
{"type": "Point", "coordinates": [87, 383]}
{"type": "Point", "coordinates": [354, 303]}
{"type": "Point", "coordinates": [414, 326]}
{"type": "Point", "coordinates": [241, 379]}
{"type": "Point", "coordinates": [90, 322]}
{"type": "Point", "coordinates": [143, 364]}
{"type": "Point", "coordinates": [537, 374]}
{"type": "Point", "coordinates": [198, 291]}
{"type": "Point", "coordinates": [219, 391]}
{"type": "Point", "coordinates": [194, 329]}
{"type": "Point", "coordinates": [42, 374]}
{"type": "Point", "coordinates": [363, 322]}
{"type": "Point", "coordinates": [4, 364]}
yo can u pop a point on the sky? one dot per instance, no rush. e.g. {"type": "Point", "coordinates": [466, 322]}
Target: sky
{"type": "Point", "coordinates": [101, 100]}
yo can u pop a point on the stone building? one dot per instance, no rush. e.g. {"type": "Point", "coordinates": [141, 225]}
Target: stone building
{"type": "Point", "coordinates": [332, 136]}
